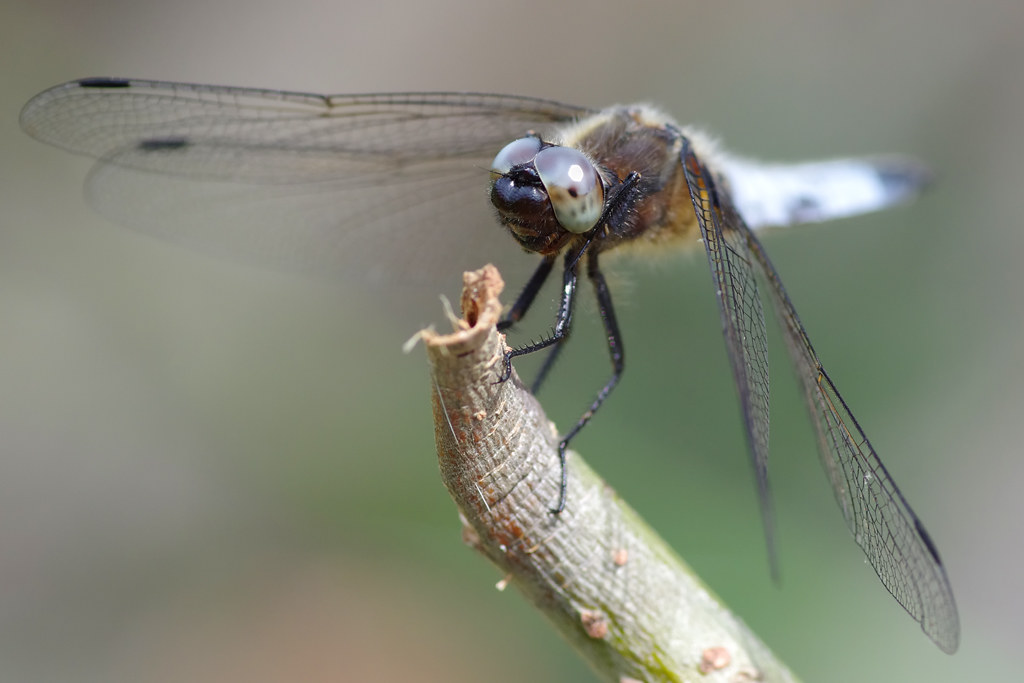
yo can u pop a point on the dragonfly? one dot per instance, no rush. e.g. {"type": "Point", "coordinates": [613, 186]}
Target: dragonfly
{"type": "Point", "coordinates": [386, 187]}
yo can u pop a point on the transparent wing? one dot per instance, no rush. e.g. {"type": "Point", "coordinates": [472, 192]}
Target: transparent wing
{"type": "Point", "coordinates": [374, 187]}
{"type": "Point", "coordinates": [883, 523]}
{"type": "Point", "coordinates": [725, 240]}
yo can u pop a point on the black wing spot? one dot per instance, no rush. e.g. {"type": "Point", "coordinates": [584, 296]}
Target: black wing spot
{"type": "Point", "coordinates": [104, 83]}
{"type": "Point", "coordinates": [162, 144]}
{"type": "Point", "coordinates": [927, 541]}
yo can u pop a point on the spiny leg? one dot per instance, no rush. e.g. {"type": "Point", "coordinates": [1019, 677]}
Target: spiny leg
{"type": "Point", "coordinates": [563, 319]}
{"type": "Point", "coordinates": [615, 350]}
{"type": "Point", "coordinates": [522, 305]}
{"type": "Point", "coordinates": [549, 362]}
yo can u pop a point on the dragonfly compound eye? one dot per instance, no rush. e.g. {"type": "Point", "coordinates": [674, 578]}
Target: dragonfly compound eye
{"type": "Point", "coordinates": [573, 186]}
{"type": "Point", "coordinates": [516, 153]}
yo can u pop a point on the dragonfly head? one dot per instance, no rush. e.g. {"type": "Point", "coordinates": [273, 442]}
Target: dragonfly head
{"type": "Point", "coordinates": [545, 194]}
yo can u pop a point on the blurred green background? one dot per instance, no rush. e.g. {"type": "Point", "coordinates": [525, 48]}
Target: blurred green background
{"type": "Point", "coordinates": [210, 472]}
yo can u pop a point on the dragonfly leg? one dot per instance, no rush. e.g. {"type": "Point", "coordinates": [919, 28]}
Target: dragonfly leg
{"type": "Point", "coordinates": [563, 319]}
{"type": "Point", "coordinates": [615, 350]}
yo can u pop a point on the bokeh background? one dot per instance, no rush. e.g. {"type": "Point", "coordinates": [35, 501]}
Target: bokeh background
{"type": "Point", "coordinates": [211, 472]}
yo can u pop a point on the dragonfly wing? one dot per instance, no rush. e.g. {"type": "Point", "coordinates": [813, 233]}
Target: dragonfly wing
{"type": "Point", "coordinates": [883, 523]}
{"type": "Point", "coordinates": [724, 237]}
{"type": "Point", "coordinates": [323, 134]}
{"type": "Point", "coordinates": [389, 186]}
